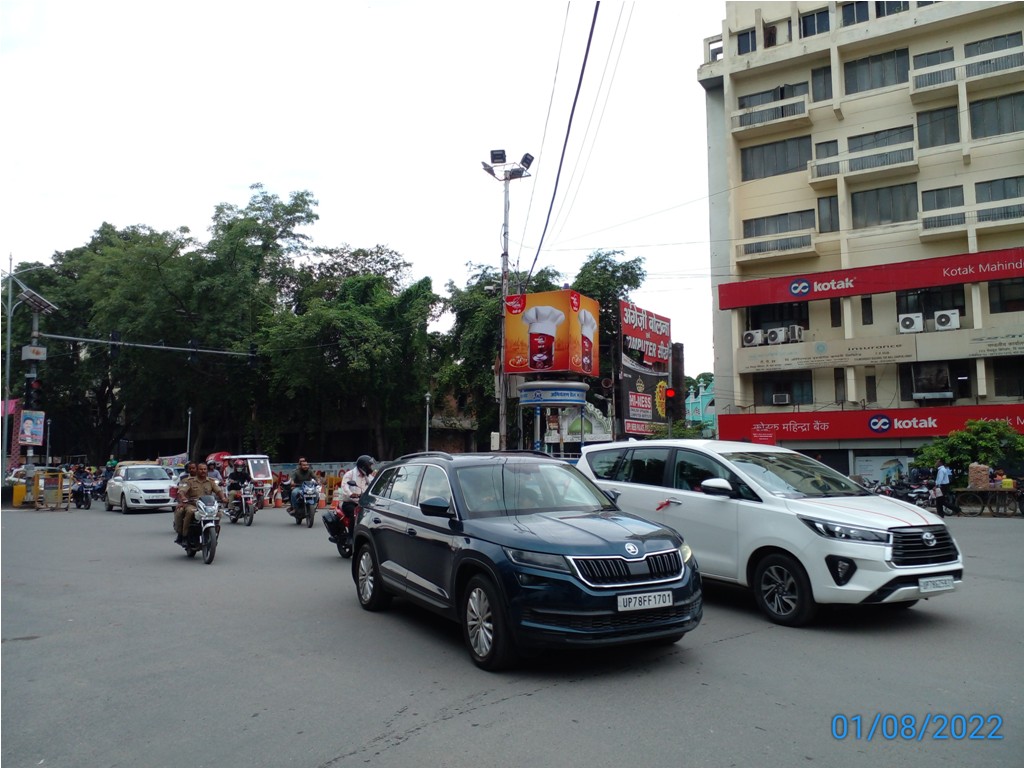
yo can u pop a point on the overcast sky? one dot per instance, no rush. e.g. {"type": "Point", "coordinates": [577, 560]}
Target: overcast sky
{"type": "Point", "coordinates": [133, 112]}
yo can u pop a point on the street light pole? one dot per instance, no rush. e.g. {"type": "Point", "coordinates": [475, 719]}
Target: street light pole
{"type": "Point", "coordinates": [426, 442]}
{"type": "Point", "coordinates": [188, 436]}
{"type": "Point", "coordinates": [508, 171]}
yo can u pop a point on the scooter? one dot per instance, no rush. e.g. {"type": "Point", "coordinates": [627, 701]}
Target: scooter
{"type": "Point", "coordinates": [309, 498]}
{"type": "Point", "coordinates": [204, 530]}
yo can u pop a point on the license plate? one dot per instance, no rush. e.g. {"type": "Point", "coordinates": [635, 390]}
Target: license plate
{"type": "Point", "coordinates": [935, 584]}
{"type": "Point", "coordinates": [645, 601]}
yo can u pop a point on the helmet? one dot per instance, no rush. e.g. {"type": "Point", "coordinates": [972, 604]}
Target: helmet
{"type": "Point", "coordinates": [211, 465]}
{"type": "Point", "coordinates": [112, 463]}
{"type": "Point", "coordinates": [239, 464]}
{"type": "Point", "coordinates": [365, 464]}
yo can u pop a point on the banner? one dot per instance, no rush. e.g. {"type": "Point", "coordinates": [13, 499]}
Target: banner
{"type": "Point", "coordinates": [551, 332]}
{"type": "Point", "coordinates": [30, 431]}
{"type": "Point", "coordinates": [642, 391]}
{"type": "Point", "coordinates": [646, 332]}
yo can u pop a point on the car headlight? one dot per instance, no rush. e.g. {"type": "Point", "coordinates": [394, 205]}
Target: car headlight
{"type": "Point", "coordinates": [685, 553]}
{"type": "Point", "coordinates": [538, 559]}
{"type": "Point", "coordinates": [841, 532]}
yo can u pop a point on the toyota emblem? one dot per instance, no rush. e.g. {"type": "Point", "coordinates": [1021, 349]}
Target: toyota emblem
{"type": "Point", "coordinates": [633, 549]}
{"type": "Point", "coordinates": [929, 539]}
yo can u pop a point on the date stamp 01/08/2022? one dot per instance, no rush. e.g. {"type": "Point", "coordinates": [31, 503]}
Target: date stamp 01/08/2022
{"type": "Point", "coordinates": [907, 727]}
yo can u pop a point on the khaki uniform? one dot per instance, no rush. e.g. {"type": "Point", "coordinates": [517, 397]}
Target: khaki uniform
{"type": "Point", "coordinates": [190, 489]}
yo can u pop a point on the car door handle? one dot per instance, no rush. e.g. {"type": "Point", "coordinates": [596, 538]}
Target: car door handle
{"type": "Point", "coordinates": [666, 502]}
{"type": "Point", "coordinates": [411, 531]}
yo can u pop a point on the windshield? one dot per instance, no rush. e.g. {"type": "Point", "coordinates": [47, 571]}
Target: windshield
{"type": "Point", "coordinates": [793, 475]}
{"type": "Point", "coordinates": [145, 473]}
{"type": "Point", "coordinates": [524, 488]}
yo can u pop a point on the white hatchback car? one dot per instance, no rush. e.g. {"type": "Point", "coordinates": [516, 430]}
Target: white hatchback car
{"type": "Point", "coordinates": [795, 531]}
{"type": "Point", "coordinates": [139, 485]}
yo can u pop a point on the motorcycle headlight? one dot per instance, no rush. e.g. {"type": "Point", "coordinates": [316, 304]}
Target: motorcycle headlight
{"type": "Point", "coordinates": [838, 531]}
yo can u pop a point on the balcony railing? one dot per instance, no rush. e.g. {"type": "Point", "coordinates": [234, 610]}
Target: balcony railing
{"type": "Point", "coordinates": [947, 223]}
{"type": "Point", "coordinates": [778, 247]}
{"type": "Point", "coordinates": [868, 164]}
{"type": "Point", "coordinates": [986, 69]}
{"type": "Point", "coordinates": [774, 116]}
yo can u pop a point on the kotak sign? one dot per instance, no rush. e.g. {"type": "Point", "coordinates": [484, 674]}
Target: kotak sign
{"type": "Point", "coordinates": [881, 278]}
{"type": "Point", "coordinates": [870, 423]}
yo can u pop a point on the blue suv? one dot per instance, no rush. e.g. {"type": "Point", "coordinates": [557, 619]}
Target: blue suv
{"type": "Point", "coordinates": [523, 551]}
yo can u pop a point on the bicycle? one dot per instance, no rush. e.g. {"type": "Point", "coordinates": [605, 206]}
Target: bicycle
{"type": "Point", "coordinates": [999, 502]}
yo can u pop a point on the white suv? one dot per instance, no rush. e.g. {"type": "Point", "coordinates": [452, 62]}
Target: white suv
{"type": "Point", "coordinates": [792, 529]}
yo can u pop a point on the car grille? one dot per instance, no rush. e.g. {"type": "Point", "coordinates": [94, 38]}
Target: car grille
{"type": "Point", "coordinates": [909, 548]}
{"type": "Point", "coordinates": [603, 622]}
{"type": "Point", "coordinates": [618, 571]}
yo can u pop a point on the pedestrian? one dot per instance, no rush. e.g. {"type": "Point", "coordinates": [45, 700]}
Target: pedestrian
{"type": "Point", "coordinates": [943, 501]}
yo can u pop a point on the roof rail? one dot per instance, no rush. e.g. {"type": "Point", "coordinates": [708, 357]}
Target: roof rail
{"type": "Point", "coordinates": [441, 454]}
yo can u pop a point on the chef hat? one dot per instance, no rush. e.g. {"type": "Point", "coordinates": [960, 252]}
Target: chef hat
{"type": "Point", "coordinates": [588, 324]}
{"type": "Point", "coordinates": [543, 319]}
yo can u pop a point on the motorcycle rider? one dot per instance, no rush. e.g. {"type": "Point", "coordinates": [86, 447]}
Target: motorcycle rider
{"type": "Point", "coordinates": [213, 471]}
{"type": "Point", "coordinates": [302, 473]}
{"type": "Point", "coordinates": [190, 489]}
{"type": "Point", "coordinates": [353, 484]}
{"type": "Point", "coordinates": [238, 476]}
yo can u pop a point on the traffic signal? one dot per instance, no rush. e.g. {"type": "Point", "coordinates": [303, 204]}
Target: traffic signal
{"type": "Point", "coordinates": [33, 394]}
{"type": "Point", "coordinates": [672, 402]}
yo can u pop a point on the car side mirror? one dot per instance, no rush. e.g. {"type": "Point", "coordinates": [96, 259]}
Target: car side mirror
{"type": "Point", "coordinates": [612, 494]}
{"type": "Point", "coordinates": [717, 486]}
{"type": "Point", "coordinates": [436, 506]}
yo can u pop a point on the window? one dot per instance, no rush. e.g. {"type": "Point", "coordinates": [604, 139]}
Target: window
{"type": "Point", "coordinates": [938, 199]}
{"type": "Point", "coordinates": [828, 214]}
{"type": "Point", "coordinates": [645, 466]}
{"type": "Point", "coordinates": [933, 58]}
{"type": "Point", "coordinates": [692, 469]}
{"type": "Point", "coordinates": [870, 385]}
{"type": "Point", "coordinates": [877, 71]}
{"type": "Point", "coordinates": [839, 381]}
{"type": "Point", "coordinates": [796, 384]}
{"type": "Point", "coordinates": [814, 23]}
{"type": "Point", "coordinates": [435, 484]}
{"type": "Point", "coordinates": [777, 315]}
{"type": "Point", "coordinates": [1009, 376]}
{"type": "Point", "coordinates": [867, 311]}
{"type": "Point", "coordinates": [787, 91]}
{"type": "Point", "coordinates": [890, 136]}
{"type": "Point", "coordinates": [605, 464]}
{"type": "Point", "coordinates": [885, 205]}
{"type": "Point", "coordinates": [994, 117]}
{"type": "Point", "coordinates": [746, 42]}
{"type": "Point", "coordinates": [404, 486]}
{"type": "Point", "coordinates": [774, 225]}
{"type": "Point", "coordinates": [835, 311]}
{"type": "Point", "coordinates": [999, 189]}
{"type": "Point", "coordinates": [992, 44]}
{"type": "Point", "coordinates": [823, 150]}
{"type": "Point", "coordinates": [928, 301]}
{"type": "Point", "coordinates": [1006, 295]}
{"type": "Point", "coordinates": [938, 127]}
{"type": "Point", "coordinates": [946, 197]}
{"type": "Point", "coordinates": [854, 13]}
{"type": "Point", "coordinates": [937, 380]}
{"type": "Point", "coordinates": [775, 159]}
{"type": "Point", "coordinates": [821, 83]}
{"type": "Point", "coordinates": [888, 9]}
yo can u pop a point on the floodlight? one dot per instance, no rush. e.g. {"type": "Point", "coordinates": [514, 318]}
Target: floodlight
{"type": "Point", "coordinates": [497, 156]}
{"type": "Point", "coordinates": [488, 168]}
{"type": "Point", "coordinates": [527, 161]}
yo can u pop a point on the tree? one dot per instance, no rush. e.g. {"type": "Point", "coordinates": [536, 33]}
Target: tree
{"type": "Point", "coordinates": [994, 443]}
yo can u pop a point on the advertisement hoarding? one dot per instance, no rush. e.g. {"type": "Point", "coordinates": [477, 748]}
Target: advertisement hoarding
{"type": "Point", "coordinates": [551, 332]}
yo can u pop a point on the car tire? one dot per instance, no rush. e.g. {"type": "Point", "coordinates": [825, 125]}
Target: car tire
{"type": "Point", "coordinates": [107, 504]}
{"type": "Point", "coordinates": [484, 626]}
{"type": "Point", "coordinates": [369, 586]}
{"type": "Point", "coordinates": [125, 509]}
{"type": "Point", "coordinates": [783, 591]}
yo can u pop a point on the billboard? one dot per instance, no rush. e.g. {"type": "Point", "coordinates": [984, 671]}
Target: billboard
{"type": "Point", "coordinates": [30, 431]}
{"type": "Point", "coordinates": [551, 332]}
{"type": "Point", "coordinates": [646, 332]}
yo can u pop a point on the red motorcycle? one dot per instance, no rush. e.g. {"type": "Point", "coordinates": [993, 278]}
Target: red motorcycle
{"type": "Point", "coordinates": [340, 521]}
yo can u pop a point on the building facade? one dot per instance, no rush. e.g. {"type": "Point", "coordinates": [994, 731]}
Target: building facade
{"type": "Point", "coordinates": [866, 183]}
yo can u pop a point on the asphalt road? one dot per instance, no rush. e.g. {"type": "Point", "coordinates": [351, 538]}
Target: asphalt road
{"type": "Point", "coordinates": [119, 651]}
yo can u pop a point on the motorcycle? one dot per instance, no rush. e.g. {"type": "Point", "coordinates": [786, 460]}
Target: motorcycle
{"type": "Point", "coordinates": [244, 505]}
{"type": "Point", "coordinates": [340, 521]}
{"type": "Point", "coordinates": [204, 529]}
{"type": "Point", "coordinates": [81, 493]}
{"type": "Point", "coordinates": [309, 498]}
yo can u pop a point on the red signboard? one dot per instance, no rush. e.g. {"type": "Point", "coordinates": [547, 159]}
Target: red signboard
{"type": "Point", "coordinates": [647, 332]}
{"type": "Point", "coordinates": [881, 278]}
{"type": "Point", "coordinates": [868, 423]}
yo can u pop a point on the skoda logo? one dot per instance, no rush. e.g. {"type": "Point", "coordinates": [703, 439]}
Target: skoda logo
{"type": "Point", "coordinates": [879, 423]}
{"type": "Point", "coordinates": [799, 287]}
{"type": "Point", "coordinates": [632, 549]}
{"type": "Point", "coordinates": [928, 538]}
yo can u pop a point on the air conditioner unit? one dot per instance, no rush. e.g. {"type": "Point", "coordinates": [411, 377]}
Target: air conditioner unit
{"type": "Point", "coordinates": [911, 323]}
{"type": "Point", "coordinates": [778, 335]}
{"type": "Point", "coordinates": [796, 333]}
{"type": "Point", "coordinates": [947, 320]}
{"type": "Point", "coordinates": [753, 338]}
{"type": "Point", "coordinates": [780, 399]}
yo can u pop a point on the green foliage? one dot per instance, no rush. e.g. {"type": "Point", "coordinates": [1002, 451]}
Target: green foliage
{"type": "Point", "coordinates": [994, 443]}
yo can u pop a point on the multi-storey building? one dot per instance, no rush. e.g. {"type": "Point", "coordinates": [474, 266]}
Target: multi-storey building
{"type": "Point", "coordinates": [866, 182]}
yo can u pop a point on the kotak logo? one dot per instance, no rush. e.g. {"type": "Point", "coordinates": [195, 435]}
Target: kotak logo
{"type": "Point", "coordinates": [799, 287]}
{"type": "Point", "coordinates": [882, 423]}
